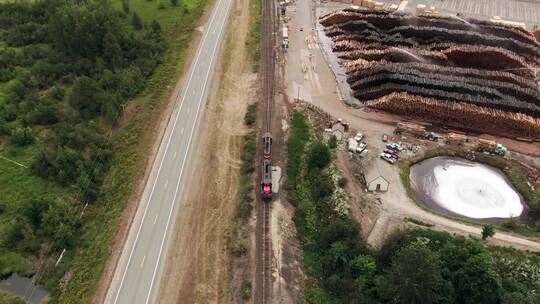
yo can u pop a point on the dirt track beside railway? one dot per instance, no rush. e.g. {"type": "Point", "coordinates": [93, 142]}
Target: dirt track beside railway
{"type": "Point", "coordinates": [198, 266]}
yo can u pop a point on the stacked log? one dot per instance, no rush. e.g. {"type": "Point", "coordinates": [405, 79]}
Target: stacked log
{"type": "Point", "coordinates": [438, 66]}
{"type": "Point", "coordinates": [361, 68]}
{"type": "Point", "coordinates": [387, 20]}
{"type": "Point", "coordinates": [460, 114]}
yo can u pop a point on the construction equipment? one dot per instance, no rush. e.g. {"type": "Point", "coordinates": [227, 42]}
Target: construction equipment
{"type": "Point", "coordinates": [489, 146]}
{"type": "Point", "coordinates": [266, 183]}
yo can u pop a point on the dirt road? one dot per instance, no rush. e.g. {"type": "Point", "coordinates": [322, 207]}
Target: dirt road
{"type": "Point", "coordinates": [198, 266]}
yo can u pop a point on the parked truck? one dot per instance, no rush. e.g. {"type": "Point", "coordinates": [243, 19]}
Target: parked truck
{"type": "Point", "coordinates": [489, 146]}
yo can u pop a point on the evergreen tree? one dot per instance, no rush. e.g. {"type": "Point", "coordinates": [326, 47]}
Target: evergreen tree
{"type": "Point", "coordinates": [136, 21]}
{"type": "Point", "coordinates": [125, 6]}
{"type": "Point", "coordinates": [156, 28]}
{"type": "Point", "coordinates": [112, 51]}
{"type": "Point", "coordinates": [487, 231]}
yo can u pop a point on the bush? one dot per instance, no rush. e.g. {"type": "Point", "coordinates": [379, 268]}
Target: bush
{"type": "Point", "coordinates": [240, 250]}
{"type": "Point", "coordinates": [10, 299]}
{"type": "Point", "coordinates": [487, 231]}
{"type": "Point", "coordinates": [537, 225]}
{"type": "Point", "coordinates": [343, 181]}
{"type": "Point", "coordinates": [22, 136]}
{"type": "Point", "coordinates": [332, 142]}
{"type": "Point", "coordinates": [319, 156]}
{"type": "Point", "coordinates": [61, 223]}
{"type": "Point", "coordinates": [136, 21]}
{"type": "Point", "coordinates": [246, 290]}
{"type": "Point", "coordinates": [251, 115]}
{"type": "Point", "coordinates": [125, 6]}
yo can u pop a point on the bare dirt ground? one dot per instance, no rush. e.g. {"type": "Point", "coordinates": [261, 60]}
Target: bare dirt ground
{"type": "Point", "coordinates": [198, 268]}
{"type": "Point", "coordinates": [288, 271]}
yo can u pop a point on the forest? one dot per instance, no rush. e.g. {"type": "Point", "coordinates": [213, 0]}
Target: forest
{"type": "Point", "coordinates": [413, 266]}
{"type": "Point", "coordinates": [68, 70]}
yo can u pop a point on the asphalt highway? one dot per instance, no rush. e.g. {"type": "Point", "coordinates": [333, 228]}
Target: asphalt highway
{"type": "Point", "coordinates": [138, 272]}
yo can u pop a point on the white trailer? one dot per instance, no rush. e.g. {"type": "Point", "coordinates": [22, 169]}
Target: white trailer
{"type": "Point", "coordinates": [353, 144]}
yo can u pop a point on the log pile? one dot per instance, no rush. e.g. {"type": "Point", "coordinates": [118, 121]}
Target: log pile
{"type": "Point", "coordinates": [459, 114]}
{"type": "Point", "coordinates": [434, 67]}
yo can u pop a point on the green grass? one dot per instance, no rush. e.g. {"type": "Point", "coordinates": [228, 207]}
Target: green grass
{"type": "Point", "coordinates": [513, 173]}
{"type": "Point", "coordinates": [131, 145]}
{"type": "Point", "coordinates": [418, 222]}
{"type": "Point", "coordinates": [17, 183]}
{"type": "Point", "coordinates": [171, 18]}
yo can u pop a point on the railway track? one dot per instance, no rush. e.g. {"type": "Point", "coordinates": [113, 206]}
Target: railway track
{"type": "Point", "coordinates": [263, 288]}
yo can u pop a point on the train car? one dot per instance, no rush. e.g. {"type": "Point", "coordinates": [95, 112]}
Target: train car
{"type": "Point", "coordinates": [267, 145]}
{"type": "Point", "coordinates": [266, 183]}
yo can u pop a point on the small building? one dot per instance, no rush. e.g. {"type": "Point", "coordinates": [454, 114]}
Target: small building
{"type": "Point", "coordinates": [338, 130]}
{"type": "Point", "coordinates": [378, 184]}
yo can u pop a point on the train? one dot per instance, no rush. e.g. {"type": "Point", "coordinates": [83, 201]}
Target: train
{"type": "Point", "coordinates": [266, 182]}
{"type": "Point", "coordinates": [267, 145]}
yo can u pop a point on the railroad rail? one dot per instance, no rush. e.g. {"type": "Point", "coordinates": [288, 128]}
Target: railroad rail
{"type": "Point", "coordinates": [263, 284]}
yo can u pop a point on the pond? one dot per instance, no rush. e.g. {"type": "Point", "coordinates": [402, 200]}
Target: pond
{"type": "Point", "coordinates": [24, 288]}
{"type": "Point", "coordinates": [456, 186]}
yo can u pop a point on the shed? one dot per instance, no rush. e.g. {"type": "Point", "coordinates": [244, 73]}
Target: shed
{"type": "Point", "coordinates": [378, 184]}
{"type": "Point", "coordinates": [338, 130]}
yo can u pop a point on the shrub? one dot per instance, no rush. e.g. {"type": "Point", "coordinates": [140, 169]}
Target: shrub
{"type": "Point", "coordinates": [487, 231]}
{"type": "Point", "coordinates": [136, 21]}
{"type": "Point", "coordinates": [22, 136]}
{"type": "Point", "coordinates": [537, 225]}
{"type": "Point", "coordinates": [61, 223]}
{"type": "Point", "coordinates": [332, 142]}
{"type": "Point", "coordinates": [251, 115]}
{"type": "Point", "coordinates": [319, 156]}
{"type": "Point", "coordinates": [246, 290]}
{"type": "Point", "coordinates": [240, 250]}
{"type": "Point", "coordinates": [156, 27]}
{"type": "Point", "coordinates": [125, 6]}
{"type": "Point", "coordinates": [343, 182]}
